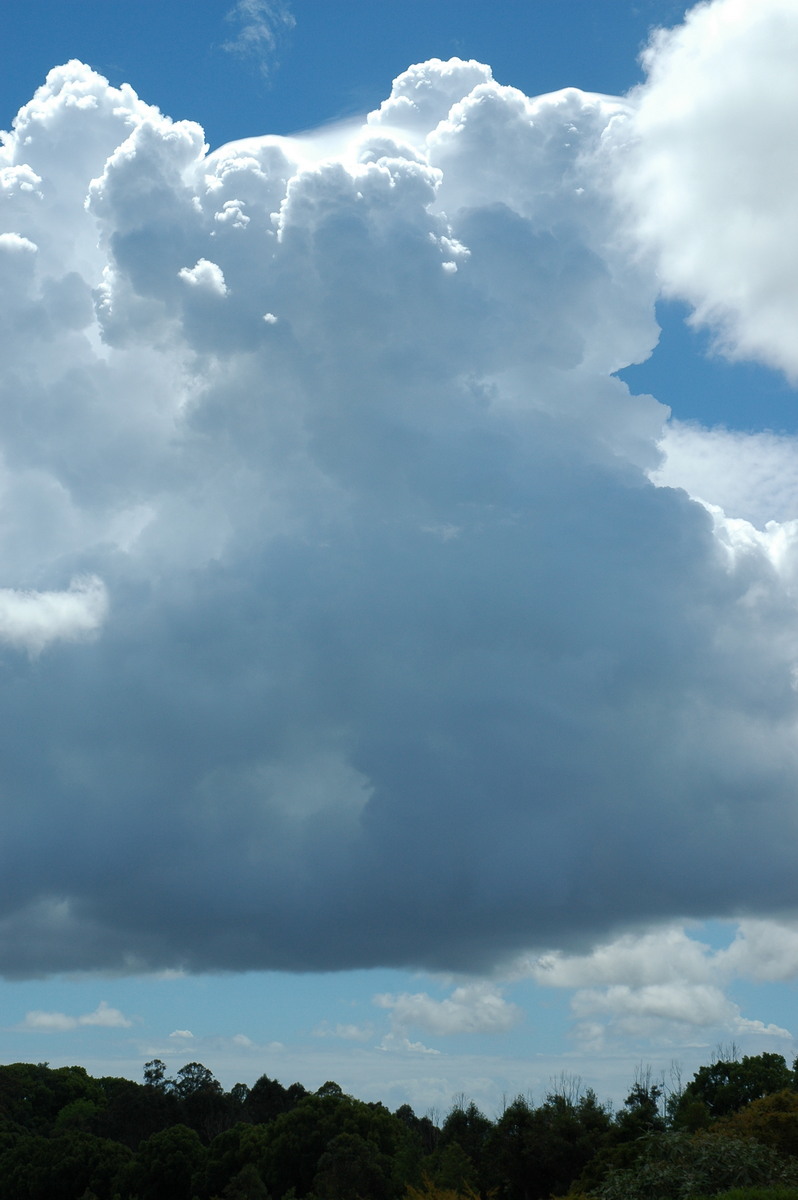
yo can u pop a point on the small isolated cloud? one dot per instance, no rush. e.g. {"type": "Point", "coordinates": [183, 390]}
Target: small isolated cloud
{"type": "Point", "coordinates": [261, 26]}
{"type": "Point", "coordinates": [206, 276]}
{"type": "Point", "coordinates": [400, 1043]}
{"type": "Point", "coordinates": [55, 1022]}
{"type": "Point", "coordinates": [182, 1043]}
{"type": "Point", "coordinates": [473, 1008]}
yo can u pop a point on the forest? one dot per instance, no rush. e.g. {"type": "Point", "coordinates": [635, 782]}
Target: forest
{"type": "Point", "coordinates": [732, 1130]}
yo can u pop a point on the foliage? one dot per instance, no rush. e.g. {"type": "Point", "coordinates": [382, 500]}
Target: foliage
{"type": "Point", "coordinates": [431, 1191]}
{"type": "Point", "coordinates": [33, 1095]}
{"type": "Point", "coordinates": [169, 1164]}
{"type": "Point", "coordinates": [66, 1136]}
{"type": "Point", "coordinates": [754, 1193]}
{"type": "Point", "coordinates": [537, 1152]}
{"type": "Point", "coordinates": [299, 1138]}
{"type": "Point", "coordinates": [675, 1166]}
{"type": "Point", "coordinates": [773, 1120]}
{"type": "Point", "coordinates": [246, 1185]}
{"type": "Point", "coordinates": [61, 1168]}
{"type": "Point", "coordinates": [727, 1085]}
{"type": "Point", "coordinates": [641, 1111]}
{"type": "Point", "coordinates": [353, 1168]}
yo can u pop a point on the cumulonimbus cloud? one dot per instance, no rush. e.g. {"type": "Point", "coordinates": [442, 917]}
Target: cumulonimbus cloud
{"type": "Point", "coordinates": [406, 658]}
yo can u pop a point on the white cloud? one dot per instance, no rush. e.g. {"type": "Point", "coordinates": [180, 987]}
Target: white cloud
{"type": "Point", "coordinates": [690, 1004]}
{"type": "Point", "coordinates": [664, 1012]}
{"type": "Point", "coordinates": [205, 275]}
{"type": "Point", "coordinates": [408, 660]}
{"type": "Point", "coordinates": [32, 620]}
{"type": "Point", "coordinates": [753, 476]}
{"type": "Point", "coordinates": [399, 1043]}
{"type": "Point", "coordinates": [763, 951]}
{"type": "Point", "coordinates": [103, 1017]}
{"type": "Point", "coordinates": [663, 984]}
{"type": "Point", "coordinates": [14, 244]}
{"type": "Point", "coordinates": [638, 960]}
{"type": "Point", "coordinates": [471, 1008]}
{"type": "Point", "coordinates": [423, 95]}
{"type": "Point", "coordinates": [716, 169]}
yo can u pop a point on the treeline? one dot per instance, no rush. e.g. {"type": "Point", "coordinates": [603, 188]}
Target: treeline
{"type": "Point", "coordinates": [67, 1136]}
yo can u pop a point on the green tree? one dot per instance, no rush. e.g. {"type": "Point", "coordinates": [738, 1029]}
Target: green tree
{"type": "Point", "coordinates": [203, 1104]}
{"type": "Point", "coordinates": [432, 1191]}
{"type": "Point", "coordinates": [538, 1152]}
{"type": "Point", "coordinates": [61, 1168]}
{"type": "Point", "coordinates": [296, 1140]}
{"type": "Point", "coordinates": [232, 1150]}
{"type": "Point", "coordinates": [450, 1167]}
{"type": "Point", "coordinates": [468, 1128]}
{"type": "Point", "coordinates": [772, 1120]}
{"type": "Point", "coordinates": [32, 1096]}
{"type": "Point", "coordinates": [134, 1111]}
{"type": "Point", "coordinates": [267, 1098]}
{"type": "Point", "coordinates": [353, 1168]}
{"type": "Point", "coordinates": [509, 1151]}
{"type": "Point", "coordinates": [641, 1112]}
{"type": "Point", "coordinates": [675, 1166]}
{"type": "Point", "coordinates": [170, 1165]}
{"type": "Point", "coordinates": [246, 1185]}
{"type": "Point", "coordinates": [155, 1074]}
{"type": "Point", "coordinates": [193, 1079]}
{"type": "Point", "coordinates": [727, 1085]}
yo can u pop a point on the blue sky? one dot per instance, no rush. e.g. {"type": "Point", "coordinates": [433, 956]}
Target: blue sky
{"type": "Point", "coordinates": [334, 60]}
{"type": "Point", "coordinates": [370, 713]}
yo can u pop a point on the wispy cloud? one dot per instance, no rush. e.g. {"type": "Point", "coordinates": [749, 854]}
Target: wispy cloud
{"type": "Point", "coordinates": [346, 1032]}
{"type": "Point", "coordinates": [261, 26]}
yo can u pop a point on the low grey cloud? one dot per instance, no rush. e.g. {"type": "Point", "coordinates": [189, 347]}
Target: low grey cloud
{"type": "Point", "coordinates": [402, 657]}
